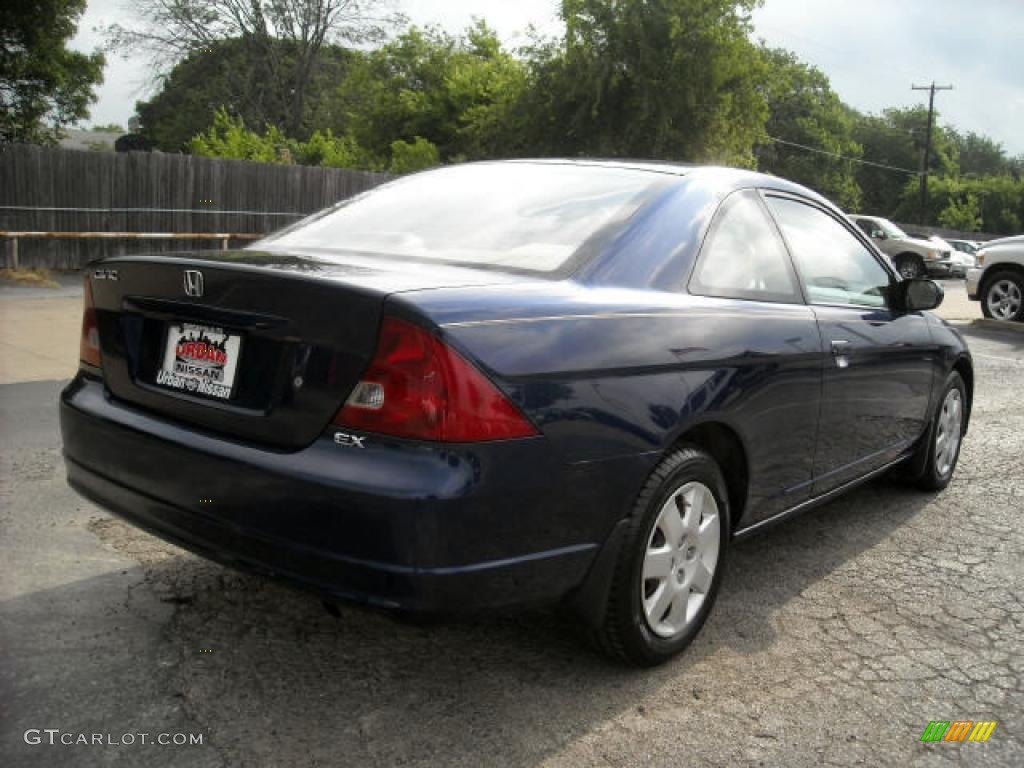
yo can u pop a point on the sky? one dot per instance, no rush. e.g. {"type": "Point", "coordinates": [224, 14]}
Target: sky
{"type": "Point", "coordinates": [871, 50]}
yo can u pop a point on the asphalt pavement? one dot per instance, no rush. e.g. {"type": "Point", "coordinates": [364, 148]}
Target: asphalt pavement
{"type": "Point", "coordinates": [836, 639]}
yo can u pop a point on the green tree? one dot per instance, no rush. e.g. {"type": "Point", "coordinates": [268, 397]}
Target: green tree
{"type": "Point", "coordinates": [979, 155]}
{"type": "Point", "coordinates": [234, 74]}
{"type": "Point", "coordinates": [962, 214]}
{"type": "Point", "coordinates": [460, 93]}
{"type": "Point", "coordinates": [416, 155]}
{"type": "Point", "coordinates": [803, 109]}
{"type": "Point", "coordinates": [43, 85]}
{"type": "Point", "coordinates": [229, 137]}
{"type": "Point", "coordinates": [324, 148]}
{"type": "Point", "coordinates": [172, 30]}
{"type": "Point", "coordinates": [671, 79]}
{"type": "Point", "coordinates": [999, 202]}
{"type": "Point", "coordinates": [896, 138]}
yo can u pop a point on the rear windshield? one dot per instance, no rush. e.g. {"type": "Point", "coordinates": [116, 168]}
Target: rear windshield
{"type": "Point", "coordinates": [512, 215]}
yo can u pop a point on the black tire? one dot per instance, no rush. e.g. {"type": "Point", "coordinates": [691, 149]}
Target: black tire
{"type": "Point", "coordinates": [1017, 280]}
{"type": "Point", "coordinates": [933, 479]}
{"type": "Point", "coordinates": [625, 633]}
{"type": "Point", "coordinates": [909, 266]}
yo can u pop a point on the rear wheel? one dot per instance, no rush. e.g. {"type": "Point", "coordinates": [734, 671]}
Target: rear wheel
{"type": "Point", "coordinates": [671, 561]}
{"type": "Point", "coordinates": [1003, 297]}
{"type": "Point", "coordinates": [910, 266]}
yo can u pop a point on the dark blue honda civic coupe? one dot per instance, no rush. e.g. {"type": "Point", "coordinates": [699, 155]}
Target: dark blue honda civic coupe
{"type": "Point", "coordinates": [515, 382]}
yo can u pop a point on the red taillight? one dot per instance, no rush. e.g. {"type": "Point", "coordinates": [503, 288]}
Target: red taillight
{"type": "Point", "coordinates": [419, 387]}
{"type": "Point", "coordinates": [89, 346]}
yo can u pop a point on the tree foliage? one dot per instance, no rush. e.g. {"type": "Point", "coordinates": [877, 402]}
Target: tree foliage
{"type": "Point", "coordinates": [999, 202]}
{"type": "Point", "coordinates": [43, 85]}
{"type": "Point", "coordinates": [229, 137]}
{"type": "Point", "coordinates": [803, 109]}
{"type": "Point", "coordinates": [460, 93]}
{"type": "Point", "coordinates": [171, 30]}
{"type": "Point", "coordinates": [233, 74]}
{"type": "Point", "coordinates": [963, 214]}
{"type": "Point", "coordinates": [672, 79]}
{"type": "Point", "coordinates": [663, 79]}
{"type": "Point", "coordinates": [416, 155]}
{"type": "Point", "coordinates": [981, 156]}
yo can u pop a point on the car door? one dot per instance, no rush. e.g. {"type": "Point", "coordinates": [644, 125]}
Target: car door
{"type": "Point", "coordinates": [765, 349]}
{"type": "Point", "coordinates": [878, 365]}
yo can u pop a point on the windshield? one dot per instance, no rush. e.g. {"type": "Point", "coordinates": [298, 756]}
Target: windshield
{"type": "Point", "coordinates": [528, 216]}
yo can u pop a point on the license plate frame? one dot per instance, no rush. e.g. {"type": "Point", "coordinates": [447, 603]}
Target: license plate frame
{"type": "Point", "coordinates": [200, 360]}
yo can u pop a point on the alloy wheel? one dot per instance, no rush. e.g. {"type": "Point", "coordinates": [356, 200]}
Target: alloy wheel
{"type": "Point", "coordinates": [947, 436]}
{"type": "Point", "coordinates": [680, 560]}
{"type": "Point", "coordinates": [909, 269]}
{"type": "Point", "coordinates": [1004, 299]}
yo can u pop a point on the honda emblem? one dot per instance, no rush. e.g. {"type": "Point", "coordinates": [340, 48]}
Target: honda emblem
{"type": "Point", "coordinates": [193, 282]}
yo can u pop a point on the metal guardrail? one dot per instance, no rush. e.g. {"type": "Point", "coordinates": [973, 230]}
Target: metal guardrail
{"type": "Point", "coordinates": [225, 238]}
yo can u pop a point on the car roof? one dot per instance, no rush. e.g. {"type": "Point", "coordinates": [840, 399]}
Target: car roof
{"type": "Point", "coordinates": [720, 176]}
{"type": "Point", "coordinates": [652, 166]}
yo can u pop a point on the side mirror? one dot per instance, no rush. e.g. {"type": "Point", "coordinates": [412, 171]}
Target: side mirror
{"type": "Point", "coordinates": [878, 234]}
{"type": "Point", "coordinates": [920, 294]}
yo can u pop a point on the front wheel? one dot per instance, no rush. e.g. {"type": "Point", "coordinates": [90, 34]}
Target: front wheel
{"type": "Point", "coordinates": [671, 561]}
{"type": "Point", "coordinates": [1003, 297]}
{"type": "Point", "coordinates": [946, 434]}
{"type": "Point", "coordinates": [910, 267]}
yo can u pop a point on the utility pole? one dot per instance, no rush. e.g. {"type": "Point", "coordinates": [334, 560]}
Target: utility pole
{"type": "Point", "coordinates": [923, 205]}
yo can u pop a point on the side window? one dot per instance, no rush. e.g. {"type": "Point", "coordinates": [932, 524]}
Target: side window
{"type": "Point", "coordinates": [743, 257]}
{"type": "Point", "coordinates": [867, 226]}
{"type": "Point", "coordinates": [834, 266]}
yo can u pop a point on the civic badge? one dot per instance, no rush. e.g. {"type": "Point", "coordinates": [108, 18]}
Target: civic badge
{"type": "Point", "coordinates": [193, 283]}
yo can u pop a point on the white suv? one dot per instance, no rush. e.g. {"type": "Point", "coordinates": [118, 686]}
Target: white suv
{"type": "Point", "coordinates": [998, 280]}
{"type": "Point", "coordinates": [912, 256]}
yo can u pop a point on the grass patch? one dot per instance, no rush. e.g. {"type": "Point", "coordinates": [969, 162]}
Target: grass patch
{"type": "Point", "coordinates": [40, 277]}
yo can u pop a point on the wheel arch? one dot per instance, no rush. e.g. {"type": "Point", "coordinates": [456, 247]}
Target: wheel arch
{"type": "Point", "coordinates": [994, 269]}
{"type": "Point", "coordinates": [965, 368]}
{"type": "Point", "coordinates": [726, 447]}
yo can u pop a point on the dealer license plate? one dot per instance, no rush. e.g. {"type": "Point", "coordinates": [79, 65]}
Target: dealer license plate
{"type": "Point", "coordinates": [200, 360]}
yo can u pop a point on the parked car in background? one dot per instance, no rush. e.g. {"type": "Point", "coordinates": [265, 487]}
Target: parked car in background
{"type": "Point", "coordinates": [515, 382]}
{"type": "Point", "coordinates": [965, 246]}
{"type": "Point", "coordinates": [959, 261]}
{"type": "Point", "coordinates": [913, 257]}
{"type": "Point", "coordinates": [998, 280]}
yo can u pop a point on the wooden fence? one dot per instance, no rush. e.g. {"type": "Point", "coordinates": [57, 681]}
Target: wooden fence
{"type": "Point", "coordinates": [49, 189]}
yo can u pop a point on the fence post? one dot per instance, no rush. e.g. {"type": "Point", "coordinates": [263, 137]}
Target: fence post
{"type": "Point", "coordinates": [224, 243]}
{"type": "Point", "coordinates": [12, 250]}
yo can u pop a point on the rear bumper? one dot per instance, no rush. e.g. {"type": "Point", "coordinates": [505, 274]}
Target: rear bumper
{"type": "Point", "coordinates": [417, 527]}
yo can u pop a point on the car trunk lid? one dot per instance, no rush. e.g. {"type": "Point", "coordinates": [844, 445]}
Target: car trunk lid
{"type": "Point", "coordinates": [267, 346]}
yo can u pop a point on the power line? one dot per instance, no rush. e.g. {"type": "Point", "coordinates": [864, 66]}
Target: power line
{"type": "Point", "coordinates": [845, 157]}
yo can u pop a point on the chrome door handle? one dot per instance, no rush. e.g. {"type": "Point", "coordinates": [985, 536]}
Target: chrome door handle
{"type": "Point", "coordinates": [841, 352]}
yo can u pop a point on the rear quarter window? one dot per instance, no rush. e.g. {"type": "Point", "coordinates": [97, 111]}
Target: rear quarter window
{"type": "Point", "coordinates": [743, 257]}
